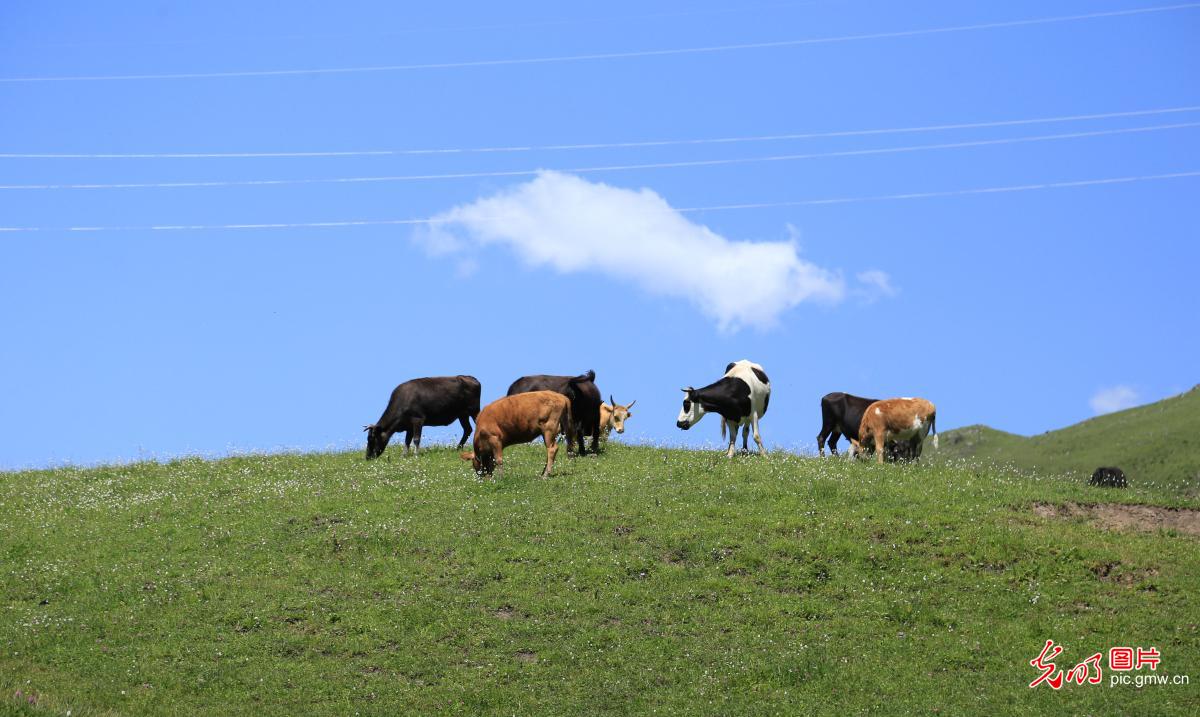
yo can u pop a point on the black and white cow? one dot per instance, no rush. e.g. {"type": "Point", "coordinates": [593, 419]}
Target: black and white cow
{"type": "Point", "coordinates": [741, 397]}
{"type": "Point", "coordinates": [434, 401]}
{"type": "Point", "coordinates": [841, 415]}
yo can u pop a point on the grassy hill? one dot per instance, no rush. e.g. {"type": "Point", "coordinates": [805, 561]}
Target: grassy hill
{"type": "Point", "coordinates": [645, 580]}
{"type": "Point", "coordinates": [1158, 443]}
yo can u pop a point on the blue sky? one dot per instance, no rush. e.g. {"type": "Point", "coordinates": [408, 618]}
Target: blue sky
{"type": "Point", "coordinates": [1025, 310]}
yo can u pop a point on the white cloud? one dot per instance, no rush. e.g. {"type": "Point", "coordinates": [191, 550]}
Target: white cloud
{"type": "Point", "coordinates": [1113, 398]}
{"type": "Point", "coordinates": [876, 285]}
{"type": "Point", "coordinates": [573, 225]}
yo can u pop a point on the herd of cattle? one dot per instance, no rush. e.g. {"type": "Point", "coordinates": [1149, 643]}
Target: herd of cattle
{"type": "Point", "coordinates": [549, 406]}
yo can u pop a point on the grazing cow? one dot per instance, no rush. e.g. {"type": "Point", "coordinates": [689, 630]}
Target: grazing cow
{"type": "Point", "coordinates": [741, 397]}
{"type": "Point", "coordinates": [421, 402]}
{"type": "Point", "coordinates": [1109, 477]}
{"type": "Point", "coordinates": [519, 419]}
{"type": "Point", "coordinates": [613, 416]}
{"type": "Point", "coordinates": [585, 401]}
{"type": "Point", "coordinates": [903, 420]}
{"type": "Point", "coordinates": [841, 414]}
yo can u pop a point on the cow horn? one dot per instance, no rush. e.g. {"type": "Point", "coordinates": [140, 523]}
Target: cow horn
{"type": "Point", "coordinates": [631, 403]}
{"type": "Point", "coordinates": [611, 402]}
{"type": "Point", "coordinates": [368, 427]}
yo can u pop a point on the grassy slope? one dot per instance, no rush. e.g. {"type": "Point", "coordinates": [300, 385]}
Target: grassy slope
{"type": "Point", "coordinates": [644, 579]}
{"type": "Point", "coordinates": [1158, 443]}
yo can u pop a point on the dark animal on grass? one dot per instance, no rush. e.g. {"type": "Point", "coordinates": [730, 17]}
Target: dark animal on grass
{"type": "Point", "coordinates": [434, 401]}
{"type": "Point", "coordinates": [741, 398]}
{"type": "Point", "coordinates": [519, 419]}
{"type": "Point", "coordinates": [585, 401]}
{"type": "Point", "coordinates": [1108, 477]}
{"type": "Point", "coordinates": [841, 414]}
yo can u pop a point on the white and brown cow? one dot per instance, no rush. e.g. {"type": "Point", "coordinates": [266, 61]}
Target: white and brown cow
{"type": "Point", "coordinates": [741, 397]}
{"type": "Point", "coordinates": [613, 416]}
{"type": "Point", "coordinates": [520, 419]}
{"type": "Point", "coordinates": [903, 420]}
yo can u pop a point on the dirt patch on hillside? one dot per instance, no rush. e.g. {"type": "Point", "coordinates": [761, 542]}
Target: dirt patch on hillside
{"type": "Point", "coordinates": [1117, 516]}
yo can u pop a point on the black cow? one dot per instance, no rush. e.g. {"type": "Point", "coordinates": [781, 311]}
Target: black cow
{"type": "Point", "coordinates": [841, 415]}
{"type": "Point", "coordinates": [434, 401]}
{"type": "Point", "coordinates": [1109, 477]}
{"type": "Point", "coordinates": [585, 401]}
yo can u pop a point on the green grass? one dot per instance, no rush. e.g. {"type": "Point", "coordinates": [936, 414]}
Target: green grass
{"type": "Point", "coordinates": [1156, 443]}
{"type": "Point", "coordinates": [643, 581]}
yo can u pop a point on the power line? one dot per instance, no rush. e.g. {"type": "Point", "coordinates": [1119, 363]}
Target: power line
{"type": "Point", "coordinates": [951, 193]}
{"type": "Point", "coordinates": [739, 9]}
{"type": "Point", "coordinates": [608, 168]}
{"type": "Point", "coordinates": [688, 210]}
{"type": "Point", "coordinates": [609, 55]}
{"type": "Point", "coordinates": [602, 145]}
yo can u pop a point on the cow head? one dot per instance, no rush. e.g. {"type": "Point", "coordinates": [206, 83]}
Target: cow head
{"type": "Point", "coordinates": [484, 464]}
{"type": "Point", "coordinates": [619, 414]}
{"type": "Point", "coordinates": [692, 410]}
{"type": "Point", "coordinates": [377, 440]}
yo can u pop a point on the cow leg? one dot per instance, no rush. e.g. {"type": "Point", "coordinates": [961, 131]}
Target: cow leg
{"type": "Point", "coordinates": [408, 436]}
{"type": "Point", "coordinates": [571, 429]}
{"type": "Point", "coordinates": [570, 442]}
{"type": "Point", "coordinates": [499, 459]}
{"type": "Point", "coordinates": [833, 439]}
{"type": "Point", "coordinates": [757, 438]}
{"type": "Point", "coordinates": [568, 428]}
{"type": "Point", "coordinates": [746, 438]}
{"type": "Point", "coordinates": [732, 426]}
{"type": "Point", "coordinates": [418, 424]}
{"type": "Point", "coordinates": [551, 438]}
{"type": "Point", "coordinates": [596, 439]}
{"type": "Point", "coordinates": [581, 436]}
{"type": "Point", "coordinates": [466, 426]}
{"type": "Point", "coordinates": [880, 445]}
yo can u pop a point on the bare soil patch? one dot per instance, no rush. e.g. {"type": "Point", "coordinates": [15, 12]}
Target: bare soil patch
{"type": "Point", "coordinates": [1118, 516]}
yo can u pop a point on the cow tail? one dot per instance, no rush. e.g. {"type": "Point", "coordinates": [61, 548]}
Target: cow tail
{"type": "Point", "coordinates": [722, 429]}
{"type": "Point", "coordinates": [933, 426]}
{"type": "Point", "coordinates": [568, 426]}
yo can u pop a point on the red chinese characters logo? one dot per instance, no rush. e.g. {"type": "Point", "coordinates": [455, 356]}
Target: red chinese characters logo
{"type": "Point", "coordinates": [1120, 659]}
{"type": "Point", "coordinates": [1045, 663]}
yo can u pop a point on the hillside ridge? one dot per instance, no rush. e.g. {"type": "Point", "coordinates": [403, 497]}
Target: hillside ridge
{"type": "Point", "coordinates": [1156, 441]}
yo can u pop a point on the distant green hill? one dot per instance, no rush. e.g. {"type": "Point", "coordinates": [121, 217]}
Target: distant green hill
{"type": "Point", "coordinates": [1158, 443]}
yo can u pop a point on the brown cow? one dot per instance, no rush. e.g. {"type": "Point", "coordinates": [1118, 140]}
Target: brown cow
{"type": "Point", "coordinates": [903, 420]}
{"type": "Point", "coordinates": [613, 416]}
{"type": "Point", "coordinates": [520, 419]}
